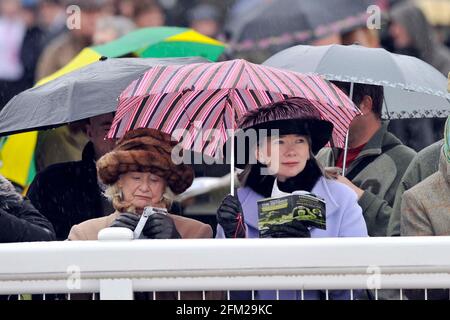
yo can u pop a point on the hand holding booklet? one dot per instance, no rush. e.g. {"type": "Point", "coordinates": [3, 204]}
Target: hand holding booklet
{"type": "Point", "coordinates": [298, 206]}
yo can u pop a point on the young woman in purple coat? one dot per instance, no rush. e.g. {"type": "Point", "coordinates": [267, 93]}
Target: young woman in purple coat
{"type": "Point", "coordinates": [285, 163]}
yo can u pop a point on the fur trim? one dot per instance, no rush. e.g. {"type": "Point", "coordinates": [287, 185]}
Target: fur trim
{"type": "Point", "coordinates": [290, 108]}
{"type": "Point", "coordinates": [8, 194]}
{"type": "Point", "coordinates": [290, 116]}
{"type": "Point", "coordinates": [145, 150]}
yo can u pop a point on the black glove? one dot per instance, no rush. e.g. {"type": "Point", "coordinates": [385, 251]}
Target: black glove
{"type": "Point", "coordinates": [231, 217]}
{"type": "Point", "coordinates": [160, 226]}
{"type": "Point", "coordinates": [295, 229]}
{"type": "Point", "coordinates": [126, 220]}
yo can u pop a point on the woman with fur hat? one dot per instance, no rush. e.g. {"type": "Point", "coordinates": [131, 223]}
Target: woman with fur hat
{"type": "Point", "coordinates": [19, 220]}
{"type": "Point", "coordinates": [285, 163]}
{"type": "Point", "coordinates": [138, 173]}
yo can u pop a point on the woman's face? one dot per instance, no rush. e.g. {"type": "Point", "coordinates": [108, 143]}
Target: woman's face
{"type": "Point", "coordinates": [142, 189]}
{"type": "Point", "coordinates": [285, 156]}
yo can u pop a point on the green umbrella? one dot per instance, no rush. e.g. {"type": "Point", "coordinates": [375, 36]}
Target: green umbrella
{"type": "Point", "coordinates": [161, 42]}
{"type": "Point", "coordinates": [157, 42]}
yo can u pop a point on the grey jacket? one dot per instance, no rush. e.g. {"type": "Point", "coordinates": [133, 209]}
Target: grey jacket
{"type": "Point", "coordinates": [424, 164]}
{"type": "Point", "coordinates": [379, 179]}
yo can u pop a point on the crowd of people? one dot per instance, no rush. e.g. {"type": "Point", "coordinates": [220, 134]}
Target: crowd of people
{"type": "Point", "coordinates": [397, 179]}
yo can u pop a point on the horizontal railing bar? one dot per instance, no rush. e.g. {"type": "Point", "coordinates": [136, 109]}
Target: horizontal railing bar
{"type": "Point", "coordinates": [337, 282]}
{"type": "Point", "coordinates": [142, 255]}
{"type": "Point", "coordinates": [261, 271]}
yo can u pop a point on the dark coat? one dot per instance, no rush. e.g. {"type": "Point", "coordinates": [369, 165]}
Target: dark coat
{"type": "Point", "coordinates": [19, 220]}
{"type": "Point", "coordinates": [68, 193]}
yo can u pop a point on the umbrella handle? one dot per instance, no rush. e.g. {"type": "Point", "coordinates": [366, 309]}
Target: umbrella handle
{"type": "Point", "coordinates": [232, 158]}
{"type": "Point", "coordinates": [344, 164]}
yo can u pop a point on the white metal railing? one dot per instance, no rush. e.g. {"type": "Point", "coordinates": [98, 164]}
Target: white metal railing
{"type": "Point", "coordinates": [116, 269]}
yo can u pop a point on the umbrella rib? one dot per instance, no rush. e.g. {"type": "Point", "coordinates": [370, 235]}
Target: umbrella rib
{"type": "Point", "coordinates": [149, 117]}
{"type": "Point", "coordinates": [263, 83]}
{"type": "Point", "coordinates": [238, 77]}
{"type": "Point", "coordinates": [169, 110]}
{"type": "Point", "coordinates": [211, 78]}
{"type": "Point", "coordinates": [202, 74]}
{"type": "Point", "coordinates": [295, 85]}
{"type": "Point", "coordinates": [156, 78]}
{"type": "Point", "coordinates": [242, 100]}
{"type": "Point", "coordinates": [184, 110]}
{"type": "Point", "coordinates": [139, 111]}
{"type": "Point", "coordinates": [217, 121]}
{"type": "Point", "coordinates": [207, 100]}
{"type": "Point", "coordinates": [316, 97]}
{"type": "Point", "coordinates": [188, 74]}
{"type": "Point", "coordinates": [229, 71]}
{"type": "Point", "coordinates": [271, 80]}
{"type": "Point", "coordinates": [282, 81]}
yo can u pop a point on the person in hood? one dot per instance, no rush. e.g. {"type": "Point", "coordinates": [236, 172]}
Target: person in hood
{"type": "Point", "coordinates": [414, 36]}
{"type": "Point", "coordinates": [285, 163]}
{"type": "Point", "coordinates": [19, 220]}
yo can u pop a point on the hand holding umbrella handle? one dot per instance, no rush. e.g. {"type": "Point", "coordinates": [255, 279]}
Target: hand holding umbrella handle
{"type": "Point", "coordinates": [231, 217]}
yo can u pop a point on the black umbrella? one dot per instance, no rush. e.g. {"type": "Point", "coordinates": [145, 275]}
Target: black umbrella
{"type": "Point", "coordinates": [270, 24]}
{"type": "Point", "coordinates": [81, 94]}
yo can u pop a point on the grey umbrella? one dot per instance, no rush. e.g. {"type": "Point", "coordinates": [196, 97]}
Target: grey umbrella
{"type": "Point", "coordinates": [81, 94]}
{"type": "Point", "coordinates": [413, 88]}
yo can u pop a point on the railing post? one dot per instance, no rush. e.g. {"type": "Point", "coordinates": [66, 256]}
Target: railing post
{"type": "Point", "coordinates": [116, 289]}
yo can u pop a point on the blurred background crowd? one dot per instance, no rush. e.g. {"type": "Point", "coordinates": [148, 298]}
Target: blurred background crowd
{"type": "Point", "coordinates": [35, 40]}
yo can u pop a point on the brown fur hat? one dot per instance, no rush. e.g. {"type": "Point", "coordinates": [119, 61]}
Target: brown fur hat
{"type": "Point", "coordinates": [145, 150]}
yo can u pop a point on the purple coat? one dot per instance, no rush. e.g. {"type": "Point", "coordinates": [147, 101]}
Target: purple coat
{"type": "Point", "coordinates": [343, 218]}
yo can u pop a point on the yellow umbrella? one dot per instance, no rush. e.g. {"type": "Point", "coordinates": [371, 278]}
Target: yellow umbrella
{"type": "Point", "coordinates": [17, 158]}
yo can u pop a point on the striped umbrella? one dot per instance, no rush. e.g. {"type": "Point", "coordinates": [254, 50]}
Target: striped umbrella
{"type": "Point", "coordinates": [207, 99]}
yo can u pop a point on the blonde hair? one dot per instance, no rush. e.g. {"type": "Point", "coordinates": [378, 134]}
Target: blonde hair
{"type": "Point", "coordinates": [114, 194]}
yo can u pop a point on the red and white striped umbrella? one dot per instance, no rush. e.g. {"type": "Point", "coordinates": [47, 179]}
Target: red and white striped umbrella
{"type": "Point", "coordinates": [209, 98]}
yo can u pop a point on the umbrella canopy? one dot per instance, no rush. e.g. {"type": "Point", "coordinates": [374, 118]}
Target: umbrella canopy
{"type": "Point", "coordinates": [207, 99]}
{"type": "Point", "coordinates": [157, 42]}
{"type": "Point", "coordinates": [86, 92]}
{"type": "Point", "coordinates": [280, 24]}
{"type": "Point", "coordinates": [413, 88]}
